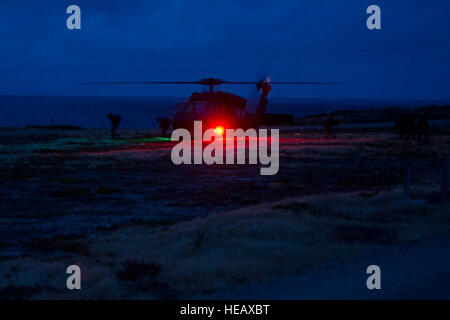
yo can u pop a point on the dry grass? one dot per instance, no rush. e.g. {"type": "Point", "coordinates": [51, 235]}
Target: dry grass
{"type": "Point", "coordinates": [225, 250]}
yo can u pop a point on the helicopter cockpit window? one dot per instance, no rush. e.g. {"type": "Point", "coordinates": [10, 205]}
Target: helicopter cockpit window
{"type": "Point", "coordinates": [200, 108]}
{"type": "Point", "coordinates": [179, 107]}
{"type": "Point", "coordinates": [184, 107]}
{"type": "Point", "coordinates": [240, 114]}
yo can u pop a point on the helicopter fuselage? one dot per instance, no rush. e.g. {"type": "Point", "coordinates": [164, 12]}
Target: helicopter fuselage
{"type": "Point", "coordinates": [214, 109]}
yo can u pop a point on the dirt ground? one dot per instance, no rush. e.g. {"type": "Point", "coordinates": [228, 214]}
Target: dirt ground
{"type": "Point", "coordinates": [76, 195]}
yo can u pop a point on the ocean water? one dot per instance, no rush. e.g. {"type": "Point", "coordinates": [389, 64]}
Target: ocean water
{"type": "Point", "coordinates": [142, 112]}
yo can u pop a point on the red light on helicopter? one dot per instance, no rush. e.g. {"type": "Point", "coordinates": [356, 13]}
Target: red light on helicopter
{"type": "Point", "coordinates": [219, 130]}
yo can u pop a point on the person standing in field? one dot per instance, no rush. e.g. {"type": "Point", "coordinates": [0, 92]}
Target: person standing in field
{"type": "Point", "coordinates": [329, 123]}
{"type": "Point", "coordinates": [164, 124]}
{"type": "Point", "coordinates": [115, 122]}
{"type": "Point", "coordinates": [423, 129]}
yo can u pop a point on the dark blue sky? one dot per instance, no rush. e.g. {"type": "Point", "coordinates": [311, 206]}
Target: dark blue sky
{"type": "Point", "coordinates": [303, 40]}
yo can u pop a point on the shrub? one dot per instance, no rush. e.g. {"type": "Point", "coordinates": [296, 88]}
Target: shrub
{"type": "Point", "coordinates": [133, 270]}
{"type": "Point", "coordinates": [72, 192]}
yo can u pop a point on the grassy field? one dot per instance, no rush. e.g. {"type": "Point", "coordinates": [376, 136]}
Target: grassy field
{"type": "Point", "coordinates": [218, 252]}
{"type": "Point", "coordinates": [140, 227]}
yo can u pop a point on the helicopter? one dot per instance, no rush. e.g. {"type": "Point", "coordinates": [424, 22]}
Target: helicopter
{"type": "Point", "coordinates": [223, 110]}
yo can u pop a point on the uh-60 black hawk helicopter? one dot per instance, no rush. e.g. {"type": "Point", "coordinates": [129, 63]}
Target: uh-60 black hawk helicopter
{"type": "Point", "coordinates": [223, 110]}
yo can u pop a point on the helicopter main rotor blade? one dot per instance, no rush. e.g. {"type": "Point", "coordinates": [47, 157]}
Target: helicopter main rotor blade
{"type": "Point", "coordinates": [144, 82]}
{"type": "Point", "coordinates": [285, 82]}
{"type": "Point", "coordinates": [212, 82]}
{"type": "Point", "coordinates": [305, 82]}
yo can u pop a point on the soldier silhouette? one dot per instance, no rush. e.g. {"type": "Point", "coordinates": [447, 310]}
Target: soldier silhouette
{"type": "Point", "coordinates": [410, 126]}
{"type": "Point", "coordinates": [164, 124]}
{"type": "Point", "coordinates": [423, 128]}
{"type": "Point", "coordinates": [328, 124]}
{"type": "Point", "coordinates": [115, 122]}
{"type": "Point", "coordinates": [400, 127]}
{"type": "Point", "coordinates": [406, 126]}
